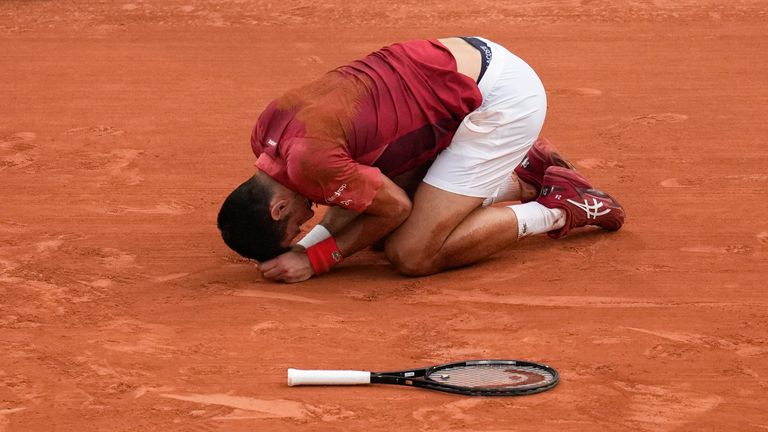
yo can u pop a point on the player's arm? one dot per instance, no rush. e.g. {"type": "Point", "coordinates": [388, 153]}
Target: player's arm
{"type": "Point", "coordinates": [337, 218]}
{"type": "Point", "coordinates": [389, 208]}
{"type": "Point", "coordinates": [334, 220]}
{"type": "Point", "coordinates": [325, 172]}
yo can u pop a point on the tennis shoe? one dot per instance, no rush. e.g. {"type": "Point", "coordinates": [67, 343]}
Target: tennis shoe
{"type": "Point", "coordinates": [540, 156]}
{"type": "Point", "coordinates": [583, 204]}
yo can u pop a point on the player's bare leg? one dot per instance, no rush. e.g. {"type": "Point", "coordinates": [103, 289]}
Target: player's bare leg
{"type": "Point", "coordinates": [514, 190]}
{"type": "Point", "coordinates": [447, 230]}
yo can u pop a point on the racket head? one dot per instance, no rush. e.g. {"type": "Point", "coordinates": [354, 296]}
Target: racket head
{"type": "Point", "coordinates": [490, 378]}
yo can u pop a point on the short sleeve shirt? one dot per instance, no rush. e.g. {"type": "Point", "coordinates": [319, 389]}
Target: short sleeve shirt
{"type": "Point", "coordinates": [392, 111]}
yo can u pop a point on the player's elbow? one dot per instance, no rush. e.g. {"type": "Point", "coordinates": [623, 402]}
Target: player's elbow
{"type": "Point", "coordinates": [395, 212]}
{"type": "Point", "coordinates": [391, 204]}
{"type": "Point", "coordinates": [402, 210]}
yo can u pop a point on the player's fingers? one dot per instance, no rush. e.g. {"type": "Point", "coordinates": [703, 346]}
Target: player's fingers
{"type": "Point", "coordinates": [273, 268]}
{"type": "Point", "coordinates": [268, 265]}
{"type": "Point", "coordinates": [273, 278]}
{"type": "Point", "coordinates": [295, 276]}
{"type": "Point", "coordinates": [273, 271]}
{"type": "Point", "coordinates": [273, 274]}
{"type": "Point", "coordinates": [295, 279]}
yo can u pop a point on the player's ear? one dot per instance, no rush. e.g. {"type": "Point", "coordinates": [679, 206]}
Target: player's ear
{"type": "Point", "coordinates": [278, 208]}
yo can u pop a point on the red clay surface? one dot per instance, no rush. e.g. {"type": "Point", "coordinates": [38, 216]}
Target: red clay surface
{"type": "Point", "coordinates": [124, 125]}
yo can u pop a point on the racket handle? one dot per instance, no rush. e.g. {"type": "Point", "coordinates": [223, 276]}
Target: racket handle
{"type": "Point", "coordinates": [298, 377]}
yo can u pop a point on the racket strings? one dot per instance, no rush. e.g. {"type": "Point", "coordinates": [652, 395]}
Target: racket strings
{"type": "Point", "coordinates": [500, 376]}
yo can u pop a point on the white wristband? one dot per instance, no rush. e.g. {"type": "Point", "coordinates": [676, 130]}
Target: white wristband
{"type": "Point", "coordinates": [314, 236]}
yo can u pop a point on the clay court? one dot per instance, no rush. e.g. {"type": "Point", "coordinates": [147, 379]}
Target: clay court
{"type": "Point", "coordinates": [123, 125]}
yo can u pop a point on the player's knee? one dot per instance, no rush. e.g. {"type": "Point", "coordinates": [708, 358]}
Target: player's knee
{"type": "Point", "coordinates": [411, 262]}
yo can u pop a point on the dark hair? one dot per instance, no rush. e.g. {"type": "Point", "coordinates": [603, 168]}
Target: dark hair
{"type": "Point", "coordinates": [246, 224]}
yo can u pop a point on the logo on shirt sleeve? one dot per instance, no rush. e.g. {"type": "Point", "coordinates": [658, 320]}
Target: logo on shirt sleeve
{"type": "Point", "coordinates": [272, 142]}
{"type": "Point", "coordinates": [337, 194]}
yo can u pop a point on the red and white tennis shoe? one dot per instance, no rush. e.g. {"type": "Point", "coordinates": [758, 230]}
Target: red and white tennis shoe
{"type": "Point", "coordinates": [540, 156]}
{"type": "Point", "coordinates": [583, 205]}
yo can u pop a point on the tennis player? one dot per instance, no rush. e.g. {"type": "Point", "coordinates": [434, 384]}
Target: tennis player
{"type": "Point", "coordinates": [413, 143]}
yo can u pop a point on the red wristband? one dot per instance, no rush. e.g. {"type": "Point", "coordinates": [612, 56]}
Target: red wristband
{"type": "Point", "coordinates": [324, 255]}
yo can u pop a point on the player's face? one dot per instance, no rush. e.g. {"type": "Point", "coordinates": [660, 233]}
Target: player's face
{"type": "Point", "coordinates": [299, 213]}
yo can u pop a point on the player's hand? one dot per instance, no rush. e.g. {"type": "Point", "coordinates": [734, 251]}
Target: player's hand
{"type": "Point", "coordinates": [290, 267]}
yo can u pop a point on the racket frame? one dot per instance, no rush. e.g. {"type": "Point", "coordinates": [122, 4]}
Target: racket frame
{"type": "Point", "coordinates": [420, 378]}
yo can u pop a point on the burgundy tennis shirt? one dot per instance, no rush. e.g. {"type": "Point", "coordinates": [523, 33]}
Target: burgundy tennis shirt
{"type": "Point", "coordinates": [394, 110]}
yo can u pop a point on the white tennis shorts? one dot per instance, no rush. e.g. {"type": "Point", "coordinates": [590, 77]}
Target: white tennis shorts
{"type": "Point", "coordinates": [492, 140]}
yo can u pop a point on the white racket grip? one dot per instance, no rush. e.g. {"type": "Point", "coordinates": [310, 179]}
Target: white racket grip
{"type": "Point", "coordinates": [298, 377]}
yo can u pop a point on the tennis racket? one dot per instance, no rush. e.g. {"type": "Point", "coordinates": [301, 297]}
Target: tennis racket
{"type": "Point", "coordinates": [473, 377]}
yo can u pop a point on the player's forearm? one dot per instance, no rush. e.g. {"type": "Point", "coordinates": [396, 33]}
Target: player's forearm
{"type": "Point", "coordinates": [366, 230]}
{"type": "Point", "coordinates": [334, 220]}
{"type": "Point", "coordinates": [388, 210]}
{"type": "Point", "coordinates": [337, 218]}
